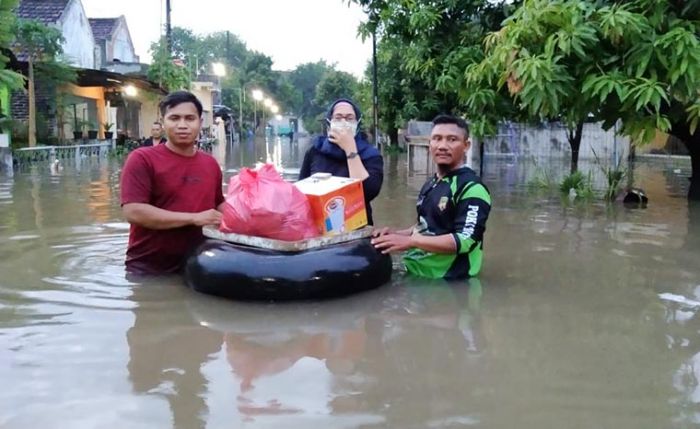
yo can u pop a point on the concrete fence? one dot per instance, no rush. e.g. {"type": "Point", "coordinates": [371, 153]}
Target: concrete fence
{"type": "Point", "coordinates": [538, 143]}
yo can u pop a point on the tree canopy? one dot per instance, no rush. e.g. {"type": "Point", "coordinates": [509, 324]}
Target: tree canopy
{"type": "Point", "coordinates": [295, 91]}
{"type": "Point", "coordinates": [8, 78]}
{"type": "Point", "coordinates": [633, 61]}
{"type": "Point", "coordinates": [42, 46]}
{"type": "Point", "coordinates": [165, 71]}
{"type": "Point", "coordinates": [423, 50]}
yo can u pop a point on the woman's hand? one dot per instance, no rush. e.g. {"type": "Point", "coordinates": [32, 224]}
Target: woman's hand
{"type": "Point", "coordinates": [344, 138]}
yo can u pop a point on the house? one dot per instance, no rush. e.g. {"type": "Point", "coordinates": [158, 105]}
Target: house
{"type": "Point", "coordinates": [69, 17]}
{"type": "Point", "coordinates": [205, 88]}
{"type": "Point", "coordinates": [102, 51]}
{"type": "Point", "coordinates": [112, 41]}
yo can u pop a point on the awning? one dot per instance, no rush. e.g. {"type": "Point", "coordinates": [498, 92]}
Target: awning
{"type": "Point", "coordinates": [107, 79]}
{"type": "Point", "coordinates": [103, 78]}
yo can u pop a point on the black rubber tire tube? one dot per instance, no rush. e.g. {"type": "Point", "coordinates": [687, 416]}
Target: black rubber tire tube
{"type": "Point", "coordinates": [249, 273]}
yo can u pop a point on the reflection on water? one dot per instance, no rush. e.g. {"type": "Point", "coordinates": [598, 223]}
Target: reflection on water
{"type": "Point", "coordinates": [584, 316]}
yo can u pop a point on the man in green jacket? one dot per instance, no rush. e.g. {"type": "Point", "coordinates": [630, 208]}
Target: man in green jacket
{"type": "Point", "coordinates": [453, 206]}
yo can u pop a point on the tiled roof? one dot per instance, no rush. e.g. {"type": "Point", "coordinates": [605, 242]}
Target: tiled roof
{"type": "Point", "coordinates": [102, 27]}
{"type": "Point", "coordinates": [46, 11]}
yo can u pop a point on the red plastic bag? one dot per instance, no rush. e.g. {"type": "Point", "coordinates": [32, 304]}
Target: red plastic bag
{"type": "Point", "coordinates": [262, 204]}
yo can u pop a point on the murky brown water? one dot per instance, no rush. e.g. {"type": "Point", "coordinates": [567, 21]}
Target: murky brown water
{"type": "Point", "coordinates": [564, 329]}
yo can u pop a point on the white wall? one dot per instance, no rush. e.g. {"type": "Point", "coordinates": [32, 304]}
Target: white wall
{"type": "Point", "coordinates": [550, 140]}
{"type": "Point", "coordinates": [79, 46]}
{"type": "Point", "coordinates": [121, 47]}
{"type": "Point", "coordinates": [204, 91]}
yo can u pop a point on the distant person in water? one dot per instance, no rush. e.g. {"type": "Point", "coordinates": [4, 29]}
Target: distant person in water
{"type": "Point", "coordinates": [169, 191]}
{"type": "Point", "coordinates": [344, 152]}
{"type": "Point", "coordinates": [156, 135]}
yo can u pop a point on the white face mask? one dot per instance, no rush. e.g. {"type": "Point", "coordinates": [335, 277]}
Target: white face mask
{"type": "Point", "coordinates": [337, 124]}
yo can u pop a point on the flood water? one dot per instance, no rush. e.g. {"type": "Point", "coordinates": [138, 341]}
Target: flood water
{"type": "Point", "coordinates": [583, 317]}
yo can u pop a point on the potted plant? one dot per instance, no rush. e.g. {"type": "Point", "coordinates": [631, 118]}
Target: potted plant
{"type": "Point", "coordinates": [108, 126]}
{"type": "Point", "coordinates": [92, 130]}
{"type": "Point", "coordinates": [77, 129]}
{"type": "Point", "coordinates": [81, 125]}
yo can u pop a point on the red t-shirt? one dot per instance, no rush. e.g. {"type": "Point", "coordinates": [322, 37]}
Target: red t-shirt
{"type": "Point", "coordinates": [160, 177]}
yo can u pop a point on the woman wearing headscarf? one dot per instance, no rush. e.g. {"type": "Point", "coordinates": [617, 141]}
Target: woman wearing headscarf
{"type": "Point", "coordinates": [344, 152]}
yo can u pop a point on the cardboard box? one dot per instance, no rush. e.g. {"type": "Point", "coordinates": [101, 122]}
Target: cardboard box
{"type": "Point", "coordinates": [337, 203]}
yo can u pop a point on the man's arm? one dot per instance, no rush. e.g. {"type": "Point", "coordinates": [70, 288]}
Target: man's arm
{"type": "Point", "coordinates": [473, 208]}
{"type": "Point", "coordinates": [399, 241]}
{"type": "Point", "coordinates": [386, 230]}
{"type": "Point", "coordinates": [152, 217]}
{"type": "Point", "coordinates": [136, 185]}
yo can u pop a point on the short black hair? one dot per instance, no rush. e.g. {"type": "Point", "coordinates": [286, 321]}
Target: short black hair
{"type": "Point", "coordinates": [451, 119]}
{"type": "Point", "coordinates": [179, 97]}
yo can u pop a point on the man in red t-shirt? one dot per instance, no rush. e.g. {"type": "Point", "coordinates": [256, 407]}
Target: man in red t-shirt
{"type": "Point", "coordinates": [169, 191]}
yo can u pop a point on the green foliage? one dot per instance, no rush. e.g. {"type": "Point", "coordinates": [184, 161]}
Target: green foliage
{"type": "Point", "coordinates": [423, 50]}
{"type": "Point", "coordinates": [163, 70]}
{"type": "Point", "coordinates": [42, 46]}
{"type": "Point", "coordinates": [394, 149]}
{"type": "Point", "coordinates": [402, 95]}
{"type": "Point", "coordinates": [542, 179]}
{"type": "Point", "coordinates": [636, 61]}
{"type": "Point", "coordinates": [36, 40]}
{"type": "Point", "coordinates": [7, 22]}
{"type": "Point", "coordinates": [333, 85]}
{"type": "Point", "coordinates": [54, 73]}
{"type": "Point", "coordinates": [577, 186]}
{"type": "Point", "coordinates": [122, 150]}
{"type": "Point", "coordinates": [293, 91]}
{"type": "Point", "coordinates": [198, 52]}
{"type": "Point", "coordinates": [306, 78]}
{"type": "Point", "coordinates": [8, 78]}
{"type": "Point", "coordinates": [614, 176]}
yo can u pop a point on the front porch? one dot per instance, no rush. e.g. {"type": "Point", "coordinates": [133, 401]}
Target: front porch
{"type": "Point", "coordinates": [100, 105]}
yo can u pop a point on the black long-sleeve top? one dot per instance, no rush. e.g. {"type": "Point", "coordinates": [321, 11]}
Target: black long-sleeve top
{"type": "Point", "coordinates": [317, 162]}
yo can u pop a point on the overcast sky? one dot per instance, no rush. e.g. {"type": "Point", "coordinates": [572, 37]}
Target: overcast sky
{"type": "Point", "coordinates": [281, 29]}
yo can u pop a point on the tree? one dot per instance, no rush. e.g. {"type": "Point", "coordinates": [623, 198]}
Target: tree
{"type": "Point", "coordinates": [288, 96]}
{"type": "Point", "coordinates": [333, 85]}
{"type": "Point", "coordinates": [423, 51]}
{"type": "Point", "coordinates": [402, 95]}
{"type": "Point", "coordinates": [8, 78]}
{"type": "Point", "coordinates": [199, 52]}
{"type": "Point", "coordinates": [634, 61]}
{"type": "Point", "coordinates": [306, 78]}
{"type": "Point", "coordinates": [41, 45]}
{"type": "Point", "coordinates": [163, 69]}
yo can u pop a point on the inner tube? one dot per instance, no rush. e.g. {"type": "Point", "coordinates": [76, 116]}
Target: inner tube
{"type": "Point", "coordinates": [251, 273]}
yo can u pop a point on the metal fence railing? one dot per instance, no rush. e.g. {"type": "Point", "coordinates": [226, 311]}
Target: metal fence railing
{"type": "Point", "coordinates": [49, 153]}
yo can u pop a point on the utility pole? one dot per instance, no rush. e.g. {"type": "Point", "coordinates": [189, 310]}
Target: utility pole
{"type": "Point", "coordinates": [228, 47]}
{"type": "Point", "coordinates": [168, 28]}
{"type": "Point", "coordinates": [375, 96]}
{"type": "Point", "coordinates": [240, 112]}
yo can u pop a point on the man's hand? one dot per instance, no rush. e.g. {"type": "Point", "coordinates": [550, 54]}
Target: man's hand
{"type": "Point", "coordinates": [376, 232]}
{"type": "Point", "coordinates": [207, 217]}
{"type": "Point", "coordinates": [389, 243]}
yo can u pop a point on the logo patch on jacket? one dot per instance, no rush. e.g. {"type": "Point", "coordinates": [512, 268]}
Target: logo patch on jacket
{"type": "Point", "coordinates": [442, 204]}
